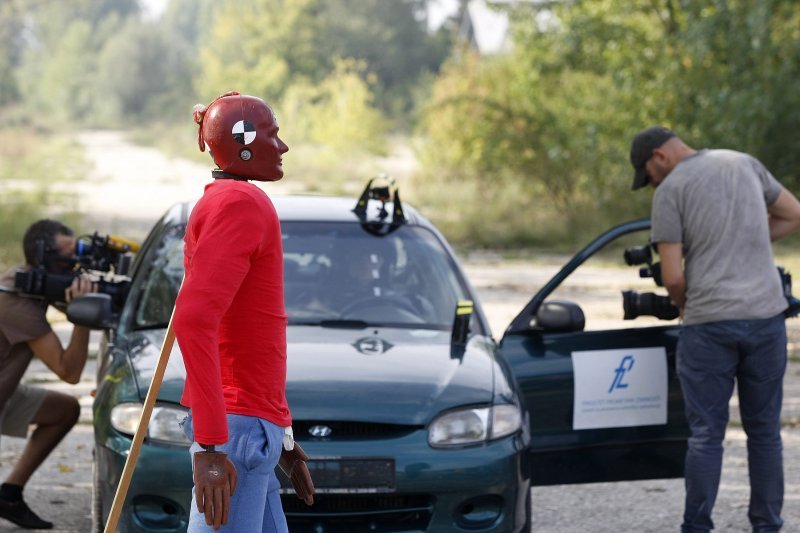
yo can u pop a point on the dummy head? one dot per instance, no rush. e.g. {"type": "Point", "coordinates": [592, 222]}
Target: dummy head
{"type": "Point", "coordinates": [241, 133]}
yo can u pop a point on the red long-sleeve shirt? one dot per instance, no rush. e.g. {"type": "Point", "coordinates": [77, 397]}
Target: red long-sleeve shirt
{"type": "Point", "coordinates": [230, 319]}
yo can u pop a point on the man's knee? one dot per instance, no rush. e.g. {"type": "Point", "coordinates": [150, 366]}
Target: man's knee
{"type": "Point", "coordinates": [73, 410]}
{"type": "Point", "coordinates": [58, 409]}
{"type": "Point", "coordinates": [706, 439]}
{"type": "Point", "coordinates": [69, 411]}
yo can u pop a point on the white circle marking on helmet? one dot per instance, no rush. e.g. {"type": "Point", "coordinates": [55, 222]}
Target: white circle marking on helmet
{"type": "Point", "coordinates": [244, 132]}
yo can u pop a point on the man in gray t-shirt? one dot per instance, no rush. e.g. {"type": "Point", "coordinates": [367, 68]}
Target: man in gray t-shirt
{"type": "Point", "coordinates": [713, 221]}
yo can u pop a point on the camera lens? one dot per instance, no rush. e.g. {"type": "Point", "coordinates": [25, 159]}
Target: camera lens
{"type": "Point", "coordinates": [637, 255]}
{"type": "Point", "coordinates": [636, 304]}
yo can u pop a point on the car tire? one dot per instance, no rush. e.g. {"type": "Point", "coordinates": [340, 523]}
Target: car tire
{"type": "Point", "coordinates": [97, 499]}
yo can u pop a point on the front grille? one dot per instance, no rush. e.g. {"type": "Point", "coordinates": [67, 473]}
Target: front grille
{"type": "Point", "coordinates": [357, 513]}
{"type": "Point", "coordinates": [356, 503]}
{"type": "Point", "coordinates": [344, 430]}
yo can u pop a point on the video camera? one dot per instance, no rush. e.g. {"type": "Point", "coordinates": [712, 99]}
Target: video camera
{"type": "Point", "coordinates": [794, 304]}
{"type": "Point", "coordinates": [637, 304]}
{"type": "Point", "coordinates": [106, 258]}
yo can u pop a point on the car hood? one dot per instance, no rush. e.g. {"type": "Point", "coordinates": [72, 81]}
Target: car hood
{"type": "Point", "coordinates": [400, 376]}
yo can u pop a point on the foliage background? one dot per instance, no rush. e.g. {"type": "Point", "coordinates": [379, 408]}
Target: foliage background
{"type": "Point", "coordinates": [523, 149]}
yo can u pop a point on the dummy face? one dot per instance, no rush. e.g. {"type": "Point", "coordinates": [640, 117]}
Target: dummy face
{"type": "Point", "coordinates": [273, 149]}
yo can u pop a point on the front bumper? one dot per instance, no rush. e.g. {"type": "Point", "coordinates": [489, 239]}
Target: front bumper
{"type": "Point", "coordinates": [477, 488]}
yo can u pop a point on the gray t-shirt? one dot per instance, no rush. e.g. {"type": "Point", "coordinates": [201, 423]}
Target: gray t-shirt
{"type": "Point", "coordinates": [715, 203]}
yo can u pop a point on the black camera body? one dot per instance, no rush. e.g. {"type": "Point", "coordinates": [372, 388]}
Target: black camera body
{"type": "Point", "coordinates": [37, 282]}
{"type": "Point", "coordinates": [794, 304]}
{"type": "Point", "coordinates": [636, 304]}
{"type": "Point", "coordinates": [106, 258]}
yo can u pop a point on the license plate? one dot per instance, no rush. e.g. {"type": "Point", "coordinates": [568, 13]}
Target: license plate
{"type": "Point", "coordinates": [347, 476]}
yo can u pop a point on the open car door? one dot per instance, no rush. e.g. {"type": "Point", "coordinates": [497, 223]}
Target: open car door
{"type": "Point", "coordinates": [603, 405]}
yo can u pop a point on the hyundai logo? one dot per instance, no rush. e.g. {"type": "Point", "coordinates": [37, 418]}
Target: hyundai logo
{"type": "Point", "coordinates": [320, 431]}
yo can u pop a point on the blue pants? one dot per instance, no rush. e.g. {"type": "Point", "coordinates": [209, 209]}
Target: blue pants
{"type": "Point", "coordinates": [254, 445]}
{"type": "Point", "coordinates": [710, 357]}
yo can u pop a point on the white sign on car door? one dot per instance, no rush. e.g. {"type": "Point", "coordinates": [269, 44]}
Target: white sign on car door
{"type": "Point", "coordinates": [619, 388]}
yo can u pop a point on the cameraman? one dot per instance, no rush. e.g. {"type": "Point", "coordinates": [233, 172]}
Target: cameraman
{"type": "Point", "coordinates": [25, 333]}
{"type": "Point", "coordinates": [714, 215]}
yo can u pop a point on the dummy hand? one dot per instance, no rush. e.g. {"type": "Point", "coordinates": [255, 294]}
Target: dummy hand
{"type": "Point", "coordinates": [293, 464]}
{"type": "Point", "coordinates": [215, 481]}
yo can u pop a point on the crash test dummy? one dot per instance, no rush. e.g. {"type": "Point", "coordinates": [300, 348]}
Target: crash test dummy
{"type": "Point", "coordinates": [230, 324]}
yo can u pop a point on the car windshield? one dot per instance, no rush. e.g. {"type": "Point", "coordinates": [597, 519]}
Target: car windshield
{"type": "Point", "coordinates": [335, 274]}
{"type": "Point", "coordinates": [339, 272]}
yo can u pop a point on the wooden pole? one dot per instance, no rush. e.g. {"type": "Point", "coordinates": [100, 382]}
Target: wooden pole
{"type": "Point", "coordinates": [141, 430]}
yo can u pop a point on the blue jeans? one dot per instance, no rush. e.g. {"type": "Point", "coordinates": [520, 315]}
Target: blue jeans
{"type": "Point", "coordinates": [710, 357]}
{"type": "Point", "coordinates": [254, 445]}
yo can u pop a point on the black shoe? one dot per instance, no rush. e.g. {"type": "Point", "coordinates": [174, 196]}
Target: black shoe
{"type": "Point", "coordinates": [19, 513]}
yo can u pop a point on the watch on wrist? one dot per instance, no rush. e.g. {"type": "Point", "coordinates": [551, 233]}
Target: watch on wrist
{"type": "Point", "coordinates": [208, 447]}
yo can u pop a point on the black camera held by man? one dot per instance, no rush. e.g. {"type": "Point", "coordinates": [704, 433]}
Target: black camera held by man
{"type": "Point", "coordinates": [647, 303]}
{"type": "Point", "coordinates": [794, 304]}
{"type": "Point", "coordinates": [106, 258]}
{"type": "Point", "coordinates": [637, 304]}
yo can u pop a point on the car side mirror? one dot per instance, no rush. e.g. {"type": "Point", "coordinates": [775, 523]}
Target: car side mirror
{"type": "Point", "coordinates": [559, 316]}
{"type": "Point", "coordinates": [92, 311]}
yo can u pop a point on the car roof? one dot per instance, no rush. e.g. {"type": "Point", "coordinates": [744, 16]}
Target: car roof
{"type": "Point", "coordinates": [307, 207]}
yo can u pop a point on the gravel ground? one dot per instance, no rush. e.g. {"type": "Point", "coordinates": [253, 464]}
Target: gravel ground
{"type": "Point", "coordinates": [60, 490]}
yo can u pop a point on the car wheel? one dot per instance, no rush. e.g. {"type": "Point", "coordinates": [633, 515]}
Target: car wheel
{"type": "Point", "coordinates": [97, 499]}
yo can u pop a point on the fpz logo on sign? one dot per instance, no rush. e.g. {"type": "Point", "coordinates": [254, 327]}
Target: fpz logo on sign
{"type": "Point", "coordinates": [619, 388]}
{"type": "Point", "coordinates": [625, 366]}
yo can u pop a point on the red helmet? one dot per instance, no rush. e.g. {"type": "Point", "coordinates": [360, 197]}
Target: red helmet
{"type": "Point", "coordinates": [242, 136]}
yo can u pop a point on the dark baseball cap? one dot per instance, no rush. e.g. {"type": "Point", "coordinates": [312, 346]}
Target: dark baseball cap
{"type": "Point", "coordinates": [642, 148]}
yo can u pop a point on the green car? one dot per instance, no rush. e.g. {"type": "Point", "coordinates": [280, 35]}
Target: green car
{"type": "Point", "coordinates": [414, 417]}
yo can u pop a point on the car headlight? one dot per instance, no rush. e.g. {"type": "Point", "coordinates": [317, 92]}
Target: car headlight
{"type": "Point", "coordinates": [163, 424]}
{"type": "Point", "coordinates": [473, 426]}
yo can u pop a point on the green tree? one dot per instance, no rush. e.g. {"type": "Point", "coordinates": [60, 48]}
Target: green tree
{"type": "Point", "coordinates": [144, 71]}
{"type": "Point", "coordinates": [263, 46]}
{"type": "Point", "coordinates": [254, 46]}
{"type": "Point", "coordinates": [740, 92]}
{"type": "Point", "coordinates": [338, 112]}
{"type": "Point", "coordinates": [58, 82]}
{"type": "Point", "coordinates": [389, 37]}
{"type": "Point", "coordinates": [57, 72]}
{"type": "Point", "coordinates": [555, 117]}
{"type": "Point", "coordinates": [11, 28]}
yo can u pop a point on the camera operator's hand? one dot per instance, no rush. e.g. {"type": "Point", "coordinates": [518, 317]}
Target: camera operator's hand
{"type": "Point", "coordinates": [215, 481]}
{"type": "Point", "coordinates": [80, 286]}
